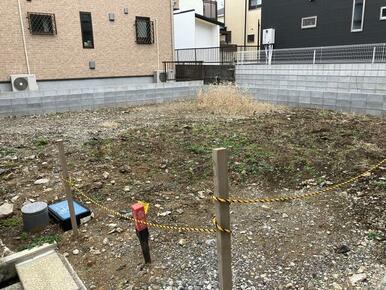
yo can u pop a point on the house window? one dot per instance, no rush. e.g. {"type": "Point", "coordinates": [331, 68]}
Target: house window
{"type": "Point", "coordinates": [253, 4]}
{"type": "Point", "coordinates": [251, 38]}
{"type": "Point", "coordinates": [383, 13]}
{"type": "Point", "coordinates": [144, 30]}
{"type": "Point", "coordinates": [358, 14]}
{"type": "Point", "coordinates": [309, 22]}
{"type": "Point", "coordinates": [86, 28]}
{"type": "Point", "coordinates": [42, 23]}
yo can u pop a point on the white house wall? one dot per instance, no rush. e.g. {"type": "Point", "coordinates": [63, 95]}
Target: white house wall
{"type": "Point", "coordinates": [207, 34]}
{"type": "Point", "coordinates": [197, 5]}
{"type": "Point", "coordinates": [184, 30]}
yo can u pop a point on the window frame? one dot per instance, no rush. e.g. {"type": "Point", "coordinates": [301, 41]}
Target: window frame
{"type": "Point", "coordinates": [248, 38]}
{"type": "Point", "coordinates": [53, 23]}
{"type": "Point", "coordinates": [363, 17]}
{"type": "Point", "coordinates": [81, 30]}
{"type": "Point", "coordinates": [253, 7]}
{"type": "Point", "coordinates": [150, 38]}
{"type": "Point", "coordinates": [309, 26]}
{"type": "Point", "coordinates": [381, 17]}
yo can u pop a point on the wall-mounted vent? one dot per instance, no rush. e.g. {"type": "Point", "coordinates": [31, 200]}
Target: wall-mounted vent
{"type": "Point", "coordinates": [309, 22]}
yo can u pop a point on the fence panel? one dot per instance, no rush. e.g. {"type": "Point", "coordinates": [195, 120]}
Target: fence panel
{"type": "Point", "coordinates": [364, 53]}
{"type": "Point", "coordinates": [183, 71]}
{"type": "Point", "coordinates": [214, 55]}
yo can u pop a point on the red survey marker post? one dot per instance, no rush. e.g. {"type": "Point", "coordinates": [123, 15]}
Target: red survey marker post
{"type": "Point", "coordinates": [138, 212]}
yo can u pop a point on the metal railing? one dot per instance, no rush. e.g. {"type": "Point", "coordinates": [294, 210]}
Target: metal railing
{"type": "Point", "coordinates": [182, 71]}
{"type": "Point", "coordinates": [363, 53]}
{"type": "Point", "coordinates": [213, 55]}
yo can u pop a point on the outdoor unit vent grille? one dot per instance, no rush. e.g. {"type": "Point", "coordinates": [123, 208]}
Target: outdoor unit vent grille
{"type": "Point", "coordinates": [21, 84]}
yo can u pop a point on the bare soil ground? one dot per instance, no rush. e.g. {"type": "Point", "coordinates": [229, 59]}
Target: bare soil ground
{"type": "Point", "coordinates": [162, 155]}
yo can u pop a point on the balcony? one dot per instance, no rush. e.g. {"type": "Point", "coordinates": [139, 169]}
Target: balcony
{"type": "Point", "coordinates": [210, 9]}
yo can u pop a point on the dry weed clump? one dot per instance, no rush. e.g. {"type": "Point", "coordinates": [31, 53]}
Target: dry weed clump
{"type": "Point", "coordinates": [231, 100]}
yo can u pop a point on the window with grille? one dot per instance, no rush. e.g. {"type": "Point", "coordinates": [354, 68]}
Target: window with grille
{"type": "Point", "coordinates": [144, 30]}
{"type": "Point", "coordinates": [42, 23]}
{"type": "Point", "coordinates": [86, 28]}
{"type": "Point", "coordinates": [309, 22]}
{"type": "Point", "coordinates": [253, 4]}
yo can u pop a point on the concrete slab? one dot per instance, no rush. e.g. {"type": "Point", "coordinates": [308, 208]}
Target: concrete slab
{"type": "Point", "coordinates": [7, 264]}
{"type": "Point", "coordinates": [45, 272]}
{"type": "Point", "coordinates": [382, 284]}
{"type": "Point", "coordinates": [16, 286]}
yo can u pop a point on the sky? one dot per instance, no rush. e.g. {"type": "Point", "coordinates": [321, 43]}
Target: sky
{"type": "Point", "coordinates": [220, 3]}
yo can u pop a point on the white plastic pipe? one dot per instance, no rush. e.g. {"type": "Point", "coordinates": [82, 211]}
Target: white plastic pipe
{"type": "Point", "coordinates": [156, 39]}
{"type": "Point", "coordinates": [23, 36]}
{"type": "Point", "coordinates": [172, 28]}
{"type": "Point", "coordinates": [374, 51]}
{"type": "Point", "coordinates": [313, 62]}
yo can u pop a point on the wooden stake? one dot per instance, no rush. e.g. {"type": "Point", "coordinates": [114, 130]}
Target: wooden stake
{"type": "Point", "coordinates": [66, 186]}
{"type": "Point", "coordinates": [221, 189]}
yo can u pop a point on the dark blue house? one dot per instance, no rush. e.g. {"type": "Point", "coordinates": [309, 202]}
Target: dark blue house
{"type": "Point", "coordinates": [308, 23]}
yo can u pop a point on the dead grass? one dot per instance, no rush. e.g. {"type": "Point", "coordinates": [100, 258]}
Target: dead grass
{"type": "Point", "coordinates": [231, 100]}
{"type": "Point", "coordinates": [222, 100]}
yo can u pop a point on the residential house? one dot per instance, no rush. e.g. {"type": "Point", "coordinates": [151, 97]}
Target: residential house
{"type": "Point", "coordinates": [83, 43]}
{"type": "Point", "coordinates": [312, 23]}
{"type": "Point", "coordinates": [221, 15]}
{"type": "Point", "coordinates": [242, 21]}
{"type": "Point", "coordinates": [196, 24]}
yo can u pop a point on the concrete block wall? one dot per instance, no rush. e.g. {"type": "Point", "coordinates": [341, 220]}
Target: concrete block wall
{"type": "Point", "coordinates": [358, 88]}
{"type": "Point", "coordinates": [6, 87]}
{"type": "Point", "coordinates": [63, 100]}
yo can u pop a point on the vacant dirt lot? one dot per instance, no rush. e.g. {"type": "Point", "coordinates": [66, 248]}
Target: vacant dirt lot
{"type": "Point", "coordinates": [162, 155]}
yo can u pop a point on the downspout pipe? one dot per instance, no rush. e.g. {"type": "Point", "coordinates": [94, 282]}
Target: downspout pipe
{"type": "Point", "coordinates": [157, 41]}
{"type": "Point", "coordinates": [172, 28]}
{"type": "Point", "coordinates": [23, 36]}
{"type": "Point", "coordinates": [245, 23]}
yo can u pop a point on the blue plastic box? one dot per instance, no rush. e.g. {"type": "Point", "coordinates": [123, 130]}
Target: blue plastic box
{"type": "Point", "coordinates": [61, 214]}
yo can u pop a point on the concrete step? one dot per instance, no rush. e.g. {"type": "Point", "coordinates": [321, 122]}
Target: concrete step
{"type": "Point", "coordinates": [16, 286]}
{"type": "Point", "coordinates": [47, 271]}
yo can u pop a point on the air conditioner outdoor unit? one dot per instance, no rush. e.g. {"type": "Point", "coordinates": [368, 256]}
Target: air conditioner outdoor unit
{"type": "Point", "coordinates": [159, 76]}
{"type": "Point", "coordinates": [24, 82]}
{"type": "Point", "coordinates": [171, 74]}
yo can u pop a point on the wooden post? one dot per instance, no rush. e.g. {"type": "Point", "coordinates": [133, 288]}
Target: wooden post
{"type": "Point", "coordinates": [66, 186]}
{"type": "Point", "coordinates": [221, 189]}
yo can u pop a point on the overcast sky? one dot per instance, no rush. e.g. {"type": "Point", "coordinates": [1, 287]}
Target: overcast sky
{"type": "Point", "coordinates": [220, 3]}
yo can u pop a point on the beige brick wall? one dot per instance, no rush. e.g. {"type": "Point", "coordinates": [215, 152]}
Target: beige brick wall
{"type": "Point", "coordinates": [62, 56]}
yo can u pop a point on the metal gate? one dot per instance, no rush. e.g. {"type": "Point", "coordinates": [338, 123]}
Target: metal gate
{"type": "Point", "coordinates": [181, 71]}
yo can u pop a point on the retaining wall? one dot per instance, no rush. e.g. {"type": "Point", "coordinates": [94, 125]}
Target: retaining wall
{"type": "Point", "coordinates": [44, 85]}
{"type": "Point", "coordinates": [51, 101]}
{"type": "Point", "coordinates": [357, 88]}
